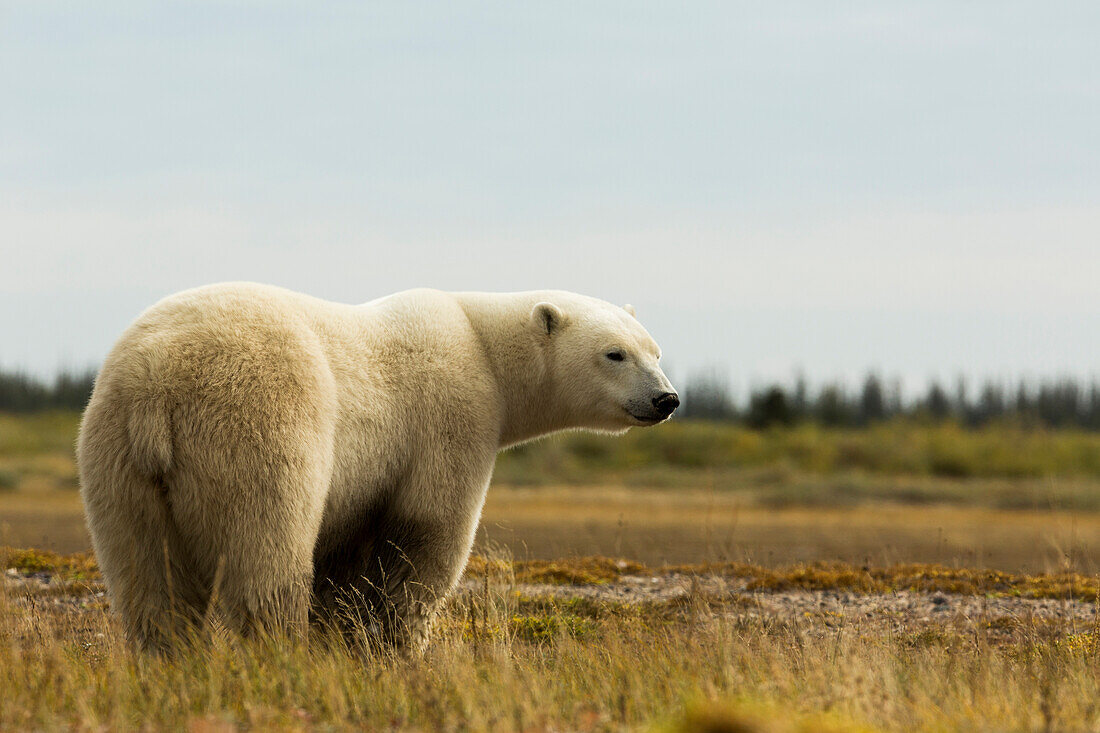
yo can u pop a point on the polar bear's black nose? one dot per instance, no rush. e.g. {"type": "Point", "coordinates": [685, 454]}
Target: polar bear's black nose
{"type": "Point", "coordinates": [666, 403]}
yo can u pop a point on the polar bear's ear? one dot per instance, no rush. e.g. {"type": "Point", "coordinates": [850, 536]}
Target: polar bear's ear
{"type": "Point", "coordinates": [630, 309]}
{"type": "Point", "coordinates": [546, 318]}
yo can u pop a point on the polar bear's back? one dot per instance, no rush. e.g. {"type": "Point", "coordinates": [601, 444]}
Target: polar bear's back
{"type": "Point", "coordinates": [234, 370]}
{"type": "Point", "coordinates": [233, 338]}
{"type": "Point", "coordinates": [222, 367]}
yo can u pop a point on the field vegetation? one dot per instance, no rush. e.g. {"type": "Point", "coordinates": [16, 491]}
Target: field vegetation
{"type": "Point", "coordinates": [509, 657]}
{"type": "Point", "coordinates": [907, 574]}
{"type": "Point", "coordinates": [38, 448]}
{"type": "Point", "coordinates": [1005, 497]}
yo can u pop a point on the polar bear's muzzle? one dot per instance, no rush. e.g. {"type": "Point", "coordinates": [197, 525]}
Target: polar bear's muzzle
{"type": "Point", "coordinates": [666, 404]}
{"type": "Point", "coordinates": [663, 406]}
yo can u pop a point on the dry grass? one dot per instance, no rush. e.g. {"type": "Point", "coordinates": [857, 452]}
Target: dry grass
{"type": "Point", "coordinates": [754, 510]}
{"type": "Point", "coordinates": [688, 493]}
{"type": "Point", "coordinates": [502, 661]}
{"type": "Point", "coordinates": [659, 527]}
{"type": "Point", "coordinates": [915, 577]}
{"type": "Point", "coordinates": [693, 526]}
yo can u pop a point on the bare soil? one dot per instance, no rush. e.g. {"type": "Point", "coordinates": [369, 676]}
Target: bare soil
{"type": "Point", "coordinates": [826, 611]}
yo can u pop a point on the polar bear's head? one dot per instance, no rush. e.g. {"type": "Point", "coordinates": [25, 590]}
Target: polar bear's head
{"type": "Point", "coordinates": [602, 365]}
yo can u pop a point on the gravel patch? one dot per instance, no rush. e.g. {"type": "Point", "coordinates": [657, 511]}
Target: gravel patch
{"type": "Point", "coordinates": [825, 610]}
{"type": "Point", "coordinates": [902, 611]}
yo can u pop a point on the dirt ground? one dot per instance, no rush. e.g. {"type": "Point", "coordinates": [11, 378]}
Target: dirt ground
{"type": "Point", "coordinates": [821, 612]}
{"type": "Point", "coordinates": [672, 526]}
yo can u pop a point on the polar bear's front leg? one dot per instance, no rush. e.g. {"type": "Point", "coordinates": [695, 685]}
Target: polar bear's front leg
{"type": "Point", "coordinates": [388, 578]}
{"type": "Point", "coordinates": [397, 580]}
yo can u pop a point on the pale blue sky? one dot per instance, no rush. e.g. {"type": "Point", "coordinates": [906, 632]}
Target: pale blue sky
{"type": "Point", "coordinates": [911, 187]}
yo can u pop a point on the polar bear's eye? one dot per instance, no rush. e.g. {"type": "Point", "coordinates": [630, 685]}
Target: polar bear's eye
{"type": "Point", "coordinates": [615, 355]}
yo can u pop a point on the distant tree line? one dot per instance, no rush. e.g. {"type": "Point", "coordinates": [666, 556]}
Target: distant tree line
{"type": "Point", "coordinates": [22, 392]}
{"type": "Point", "coordinates": [1064, 402]}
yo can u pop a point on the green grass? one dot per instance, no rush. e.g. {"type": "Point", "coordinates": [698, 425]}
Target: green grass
{"type": "Point", "coordinates": [688, 453]}
{"type": "Point", "coordinates": [77, 566]}
{"type": "Point", "coordinates": [705, 451]}
{"type": "Point", "coordinates": [38, 432]}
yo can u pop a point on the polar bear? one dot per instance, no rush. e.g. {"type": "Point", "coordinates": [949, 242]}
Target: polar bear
{"type": "Point", "coordinates": [271, 457]}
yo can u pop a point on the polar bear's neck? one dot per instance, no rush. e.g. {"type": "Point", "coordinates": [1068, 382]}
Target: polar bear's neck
{"type": "Point", "coordinates": [502, 321]}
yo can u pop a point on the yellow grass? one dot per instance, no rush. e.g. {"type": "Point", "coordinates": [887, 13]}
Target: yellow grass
{"type": "Point", "coordinates": [999, 513]}
{"type": "Point", "coordinates": [504, 662]}
{"type": "Point", "coordinates": [693, 526]}
{"type": "Point", "coordinates": [658, 527]}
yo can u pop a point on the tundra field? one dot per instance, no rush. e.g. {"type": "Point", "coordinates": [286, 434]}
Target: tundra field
{"type": "Point", "coordinates": [693, 577]}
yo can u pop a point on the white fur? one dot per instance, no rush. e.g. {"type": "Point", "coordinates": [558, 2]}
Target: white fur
{"type": "Point", "coordinates": [289, 450]}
